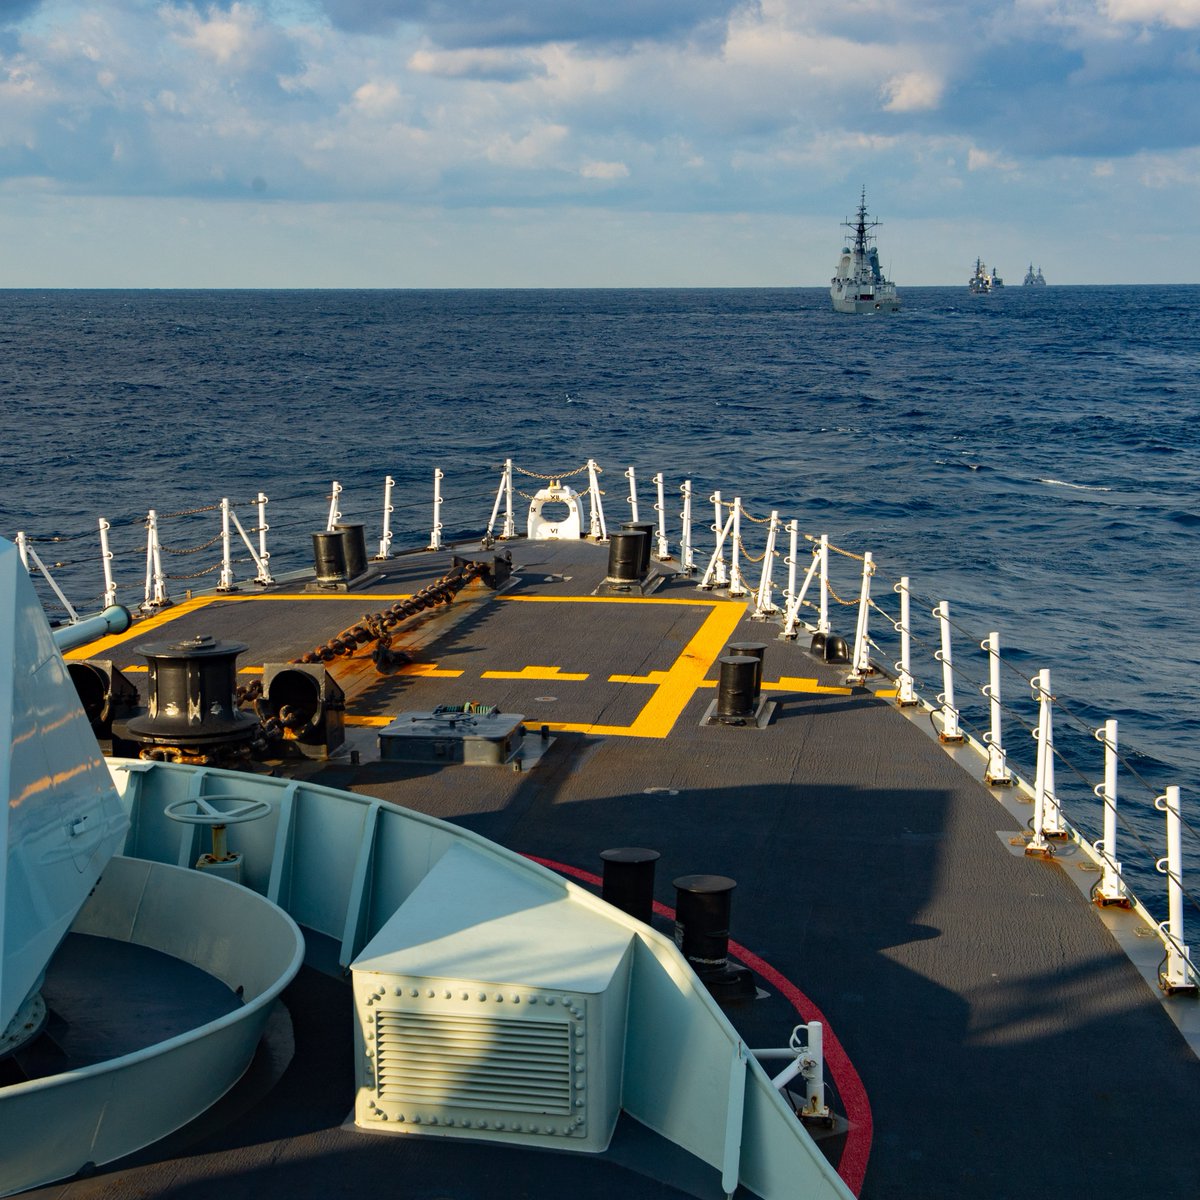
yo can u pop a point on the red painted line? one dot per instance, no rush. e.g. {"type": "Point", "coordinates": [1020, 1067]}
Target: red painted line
{"type": "Point", "coordinates": [852, 1166]}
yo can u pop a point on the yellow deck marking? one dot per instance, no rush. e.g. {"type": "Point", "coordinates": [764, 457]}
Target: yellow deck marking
{"type": "Point", "coordinates": [556, 674]}
{"type": "Point", "coordinates": [655, 677]}
{"type": "Point", "coordinates": [887, 693]}
{"type": "Point", "coordinates": [92, 649]}
{"type": "Point", "coordinates": [673, 688]}
{"type": "Point", "coordinates": [794, 683]}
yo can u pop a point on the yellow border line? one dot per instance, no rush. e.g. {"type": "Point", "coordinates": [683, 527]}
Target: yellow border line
{"type": "Point", "coordinates": [553, 674]}
{"type": "Point", "coordinates": [673, 688]}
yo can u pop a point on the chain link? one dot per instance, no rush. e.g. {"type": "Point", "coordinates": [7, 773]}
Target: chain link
{"type": "Point", "coordinates": [556, 475]}
{"type": "Point", "coordinates": [192, 550]}
{"type": "Point", "coordinates": [196, 574]}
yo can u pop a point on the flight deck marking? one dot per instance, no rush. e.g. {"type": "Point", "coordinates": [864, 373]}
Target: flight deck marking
{"type": "Point", "coordinates": [552, 673]}
{"type": "Point", "coordinates": [678, 683]}
{"type": "Point", "coordinates": [673, 688]}
{"type": "Point", "coordinates": [184, 607]}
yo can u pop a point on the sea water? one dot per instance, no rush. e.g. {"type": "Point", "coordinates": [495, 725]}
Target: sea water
{"type": "Point", "coordinates": [1032, 457]}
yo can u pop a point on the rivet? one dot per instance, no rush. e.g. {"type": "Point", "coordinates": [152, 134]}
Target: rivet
{"type": "Point", "coordinates": [416, 1118]}
{"type": "Point", "coordinates": [579, 1103]}
{"type": "Point", "coordinates": [466, 995]}
{"type": "Point", "coordinates": [483, 995]}
{"type": "Point", "coordinates": [516, 999]}
{"type": "Point", "coordinates": [399, 990]}
{"type": "Point", "coordinates": [578, 1084]}
{"type": "Point", "coordinates": [499, 998]}
{"type": "Point", "coordinates": [532, 999]}
{"type": "Point", "coordinates": [430, 993]}
{"type": "Point", "coordinates": [549, 999]}
{"type": "Point", "coordinates": [414, 991]}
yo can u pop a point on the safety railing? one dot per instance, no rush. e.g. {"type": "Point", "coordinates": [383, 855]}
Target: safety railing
{"type": "Point", "coordinates": [785, 576]}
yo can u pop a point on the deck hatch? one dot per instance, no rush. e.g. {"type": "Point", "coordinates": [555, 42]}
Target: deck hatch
{"type": "Point", "coordinates": [514, 1066]}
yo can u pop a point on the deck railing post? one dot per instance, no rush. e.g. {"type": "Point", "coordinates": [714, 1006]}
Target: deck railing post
{"type": "Point", "coordinates": [1111, 888]}
{"type": "Point", "coordinates": [997, 773]}
{"type": "Point", "coordinates": [226, 581]}
{"type": "Point", "coordinates": [950, 731]}
{"type": "Point", "coordinates": [1047, 817]}
{"type": "Point", "coordinates": [510, 527]}
{"type": "Point", "coordinates": [793, 529]}
{"type": "Point", "coordinates": [661, 508]}
{"type": "Point", "coordinates": [264, 555]}
{"type": "Point", "coordinates": [764, 605]}
{"type": "Point", "coordinates": [385, 542]}
{"type": "Point", "coordinates": [106, 559]}
{"type": "Point", "coordinates": [686, 559]}
{"type": "Point", "coordinates": [823, 621]}
{"type": "Point", "coordinates": [905, 695]}
{"type": "Point", "coordinates": [716, 576]}
{"type": "Point", "coordinates": [596, 527]}
{"type": "Point", "coordinates": [156, 582]}
{"type": "Point", "coordinates": [633, 503]}
{"type": "Point", "coordinates": [335, 513]}
{"type": "Point", "coordinates": [27, 552]}
{"type": "Point", "coordinates": [737, 584]}
{"type": "Point", "coordinates": [860, 663]}
{"type": "Point", "coordinates": [1177, 973]}
{"type": "Point", "coordinates": [791, 620]}
{"type": "Point", "coordinates": [435, 534]}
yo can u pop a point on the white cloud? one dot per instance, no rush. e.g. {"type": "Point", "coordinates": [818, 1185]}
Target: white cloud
{"type": "Point", "coordinates": [987, 160]}
{"type": "Point", "coordinates": [604, 170]}
{"type": "Point", "coordinates": [531, 149]}
{"type": "Point", "coordinates": [224, 36]}
{"type": "Point", "coordinates": [1177, 14]}
{"type": "Point", "coordinates": [377, 99]}
{"type": "Point", "coordinates": [914, 91]}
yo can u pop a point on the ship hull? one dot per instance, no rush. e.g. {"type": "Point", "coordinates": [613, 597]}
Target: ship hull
{"type": "Point", "coordinates": [870, 304]}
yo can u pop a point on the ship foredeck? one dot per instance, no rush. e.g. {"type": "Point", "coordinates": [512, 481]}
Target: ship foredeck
{"type": "Point", "coordinates": [986, 1036]}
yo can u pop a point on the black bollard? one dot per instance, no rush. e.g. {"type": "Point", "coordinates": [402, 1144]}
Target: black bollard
{"type": "Point", "coordinates": [737, 695]}
{"type": "Point", "coordinates": [329, 557]}
{"type": "Point", "coordinates": [648, 528]}
{"type": "Point", "coordinates": [629, 880]}
{"type": "Point", "coordinates": [625, 555]}
{"type": "Point", "coordinates": [755, 650]}
{"type": "Point", "coordinates": [354, 543]}
{"type": "Point", "coordinates": [702, 908]}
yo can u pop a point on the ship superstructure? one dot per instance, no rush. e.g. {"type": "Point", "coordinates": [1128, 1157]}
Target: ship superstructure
{"type": "Point", "coordinates": [859, 284]}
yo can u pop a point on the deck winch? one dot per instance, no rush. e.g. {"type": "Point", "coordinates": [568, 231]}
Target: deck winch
{"type": "Point", "coordinates": [193, 714]}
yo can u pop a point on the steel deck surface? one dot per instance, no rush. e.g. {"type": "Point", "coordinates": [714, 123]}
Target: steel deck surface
{"type": "Point", "coordinates": [1006, 1047]}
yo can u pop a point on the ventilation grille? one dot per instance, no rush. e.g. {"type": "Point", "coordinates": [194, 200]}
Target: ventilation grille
{"type": "Point", "coordinates": [436, 1059]}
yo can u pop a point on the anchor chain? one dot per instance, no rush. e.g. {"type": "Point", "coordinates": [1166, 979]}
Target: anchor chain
{"type": "Point", "coordinates": [377, 627]}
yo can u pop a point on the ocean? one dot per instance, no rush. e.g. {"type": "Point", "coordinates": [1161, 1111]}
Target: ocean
{"type": "Point", "coordinates": [1032, 457]}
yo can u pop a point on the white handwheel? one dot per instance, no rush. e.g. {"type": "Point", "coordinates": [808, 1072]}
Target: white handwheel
{"type": "Point", "coordinates": [205, 811]}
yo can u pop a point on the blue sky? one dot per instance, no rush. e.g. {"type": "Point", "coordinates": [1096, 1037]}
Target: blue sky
{"type": "Point", "coordinates": [462, 143]}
